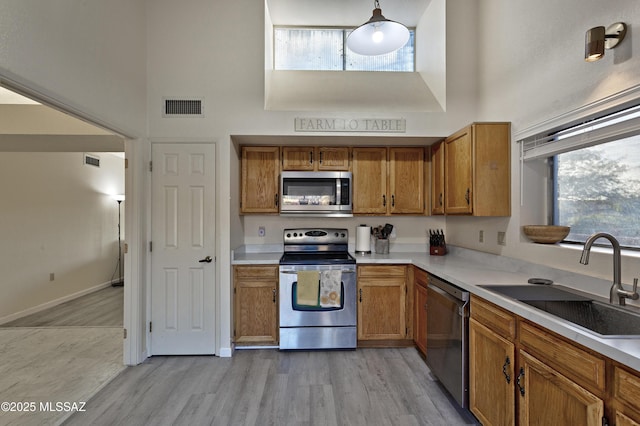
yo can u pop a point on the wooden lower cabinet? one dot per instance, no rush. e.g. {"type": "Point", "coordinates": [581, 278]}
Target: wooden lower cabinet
{"type": "Point", "coordinates": [529, 375]}
{"type": "Point", "coordinates": [420, 281]}
{"type": "Point", "coordinates": [546, 397]}
{"type": "Point", "coordinates": [491, 376]}
{"type": "Point", "coordinates": [626, 396]}
{"type": "Point", "coordinates": [382, 302]}
{"type": "Point", "coordinates": [255, 305]}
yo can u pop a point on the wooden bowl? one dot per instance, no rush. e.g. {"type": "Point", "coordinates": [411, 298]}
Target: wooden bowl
{"type": "Point", "coordinates": [546, 234]}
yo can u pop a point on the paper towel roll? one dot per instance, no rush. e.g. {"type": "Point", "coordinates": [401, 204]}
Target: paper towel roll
{"type": "Point", "coordinates": [363, 239]}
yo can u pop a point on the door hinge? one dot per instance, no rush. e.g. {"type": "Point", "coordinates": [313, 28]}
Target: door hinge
{"type": "Point", "coordinates": [605, 422]}
{"type": "Point", "coordinates": [150, 245]}
{"type": "Point", "coordinates": [126, 163]}
{"type": "Point", "coordinates": [125, 333]}
{"type": "Point", "coordinates": [150, 166]}
{"type": "Point", "coordinates": [150, 326]}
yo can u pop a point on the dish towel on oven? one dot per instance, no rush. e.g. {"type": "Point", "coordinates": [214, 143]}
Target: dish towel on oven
{"type": "Point", "coordinates": [330, 283]}
{"type": "Point", "coordinates": [307, 289]}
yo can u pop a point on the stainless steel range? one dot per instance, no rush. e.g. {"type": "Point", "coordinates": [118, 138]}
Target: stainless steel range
{"type": "Point", "coordinates": [317, 290]}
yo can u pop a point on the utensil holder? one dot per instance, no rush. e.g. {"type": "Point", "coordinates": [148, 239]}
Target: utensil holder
{"type": "Point", "coordinates": [382, 246]}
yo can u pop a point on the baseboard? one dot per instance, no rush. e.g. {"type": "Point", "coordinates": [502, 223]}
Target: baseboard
{"type": "Point", "coordinates": [53, 303]}
{"type": "Point", "coordinates": [225, 353]}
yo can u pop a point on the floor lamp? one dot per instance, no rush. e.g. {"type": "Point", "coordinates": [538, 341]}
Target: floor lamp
{"type": "Point", "coordinates": [119, 198]}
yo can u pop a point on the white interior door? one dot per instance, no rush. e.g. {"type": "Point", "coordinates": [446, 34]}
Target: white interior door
{"type": "Point", "coordinates": [182, 255]}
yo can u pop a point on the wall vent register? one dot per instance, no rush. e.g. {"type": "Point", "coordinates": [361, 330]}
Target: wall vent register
{"type": "Point", "coordinates": [191, 107]}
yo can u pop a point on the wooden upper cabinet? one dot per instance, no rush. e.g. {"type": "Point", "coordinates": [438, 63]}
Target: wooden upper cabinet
{"type": "Point", "coordinates": [260, 172]}
{"type": "Point", "coordinates": [370, 180]}
{"type": "Point", "coordinates": [437, 178]}
{"type": "Point", "coordinates": [298, 158]}
{"type": "Point", "coordinates": [458, 173]}
{"type": "Point", "coordinates": [310, 158]}
{"type": "Point", "coordinates": [478, 170]}
{"type": "Point", "coordinates": [333, 158]}
{"type": "Point", "coordinates": [406, 180]}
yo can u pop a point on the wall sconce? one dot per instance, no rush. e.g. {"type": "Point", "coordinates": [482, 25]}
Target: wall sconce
{"type": "Point", "coordinates": [597, 39]}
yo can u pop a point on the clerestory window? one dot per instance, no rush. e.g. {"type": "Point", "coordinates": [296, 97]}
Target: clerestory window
{"type": "Point", "coordinates": [325, 49]}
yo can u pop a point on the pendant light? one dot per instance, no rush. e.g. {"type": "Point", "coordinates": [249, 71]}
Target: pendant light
{"type": "Point", "coordinates": [378, 35]}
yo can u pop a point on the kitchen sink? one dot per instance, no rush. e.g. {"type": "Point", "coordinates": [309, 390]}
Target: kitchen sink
{"type": "Point", "coordinates": [598, 317]}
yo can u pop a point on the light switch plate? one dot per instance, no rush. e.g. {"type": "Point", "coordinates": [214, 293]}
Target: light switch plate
{"type": "Point", "coordinates": [502, 238]}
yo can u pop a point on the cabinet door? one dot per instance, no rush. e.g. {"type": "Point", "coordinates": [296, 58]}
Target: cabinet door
{"type": "Point", "coordinates": [260, 171]}
{"type": "Point", "coordinates": [546, 397]}
{"type": "Point", "coordinates": [370, 180]}
{"type": "Point", "coordinates": [420, 311]}
{"type": "Point", "coordinates": [491, 376]}
{"type": "Point", "coordinates": [458, 168]}
{"type": "Point", "coordinates": [298, 158]}
{"type": "Point", "coordinates": [406, 180]}
{"type": "Point", "coordinates": [381, 303]}
{"type": "Point", "coordinates": [437, 178]}
{"type": "Point", "coordinates": [255, 305]}
{"type": "Point", "coordinates": [333, 158]}
{"type": "Point", "coordinates": [626, 391]}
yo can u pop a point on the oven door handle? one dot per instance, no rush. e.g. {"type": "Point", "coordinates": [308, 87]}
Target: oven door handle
{"type": "Point", "coordinates": [344, 271]}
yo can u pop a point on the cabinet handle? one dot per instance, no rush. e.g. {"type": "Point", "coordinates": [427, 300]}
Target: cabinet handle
{"type": "Point", "coordinates": [320, 157]}
{"type": "Point", "coordinates": [466, 196]}
{"type": "Point", "coordinates": [360, 295]}
{"type": "Point", "coordinates": [441, 198]}
{"type": "Point", "coordinates": [275, 200]}
{"type": "Point", "coordinates": [507, 376]}
{"type": "Point", "coordinates": [384, 200]}
{"type": "Point", "coordinates": [518, 381]}
{"type": "Point", "coordinates": [393, 200]}
{"type": "Point", "coordinates": [310, 157]}
{"type": "Point", "coordinates": [274, 295]}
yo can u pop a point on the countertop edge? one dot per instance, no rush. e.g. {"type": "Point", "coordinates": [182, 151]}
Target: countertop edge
{"type": "Point", "coordinates": [469, 275]}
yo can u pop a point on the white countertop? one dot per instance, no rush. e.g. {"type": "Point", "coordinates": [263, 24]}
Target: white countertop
{"type": "Point", "coordinates": [469, 269]}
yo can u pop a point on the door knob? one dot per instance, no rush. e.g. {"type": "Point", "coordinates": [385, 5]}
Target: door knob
{"type": "Point", "coordinates": [206, 260]}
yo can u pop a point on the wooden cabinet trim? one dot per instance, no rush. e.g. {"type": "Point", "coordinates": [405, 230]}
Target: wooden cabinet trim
{"type": "Point", "coordinates": [580, 365]}
{"type": "Point", "coordinates": [626, 387]}
{"type": "Point", "coordinates": [267, 272]}
{"type": "Point", "coordinates": [494, 317]}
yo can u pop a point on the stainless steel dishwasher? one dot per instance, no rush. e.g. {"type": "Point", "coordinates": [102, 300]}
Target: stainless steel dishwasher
{"type": "Point", "coordinates": [448, 337]}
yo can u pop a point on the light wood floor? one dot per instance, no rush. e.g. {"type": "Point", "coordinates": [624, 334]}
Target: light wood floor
{"type": "Point", "coordinates": [103, 308]}
{"type": "Point", "coordinates": [268, 387]}
{"type": "Point", "coordinates": [66, 353]}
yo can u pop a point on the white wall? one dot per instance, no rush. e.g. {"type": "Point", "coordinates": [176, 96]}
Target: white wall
{"type": "Point", "coordinates": [57, 217]}
{"type": "Point", "coordinates": [87, 55]}
{"type": "Point", "coordinates": [531, 69]}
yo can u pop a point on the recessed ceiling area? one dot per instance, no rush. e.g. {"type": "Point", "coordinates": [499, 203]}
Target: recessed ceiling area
{"type": "Point", "coordinates": [355, 91]}
{"type": "Point", "coordinates": [347, 13]}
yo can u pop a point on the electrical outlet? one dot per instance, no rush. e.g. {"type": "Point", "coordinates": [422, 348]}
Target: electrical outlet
{"type": "Point", "coordinates": [481, 237]}
{"type": "Point", "coordinates": [502, 238]}
{"type": "Point", "coordinates": [52, 276]}
{"type": "Point", "coordinates": [261, 231]}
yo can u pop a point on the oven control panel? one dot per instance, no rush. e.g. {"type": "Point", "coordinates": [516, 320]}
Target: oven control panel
{"type": "Point", "coordinates": [316, 236]}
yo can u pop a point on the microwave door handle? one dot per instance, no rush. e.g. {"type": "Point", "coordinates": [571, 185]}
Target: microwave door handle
{"type": "Point", "coordinates": [338, 192]}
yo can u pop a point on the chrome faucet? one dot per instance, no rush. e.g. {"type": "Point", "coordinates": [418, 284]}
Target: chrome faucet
{"type": "Point", "coordinates": [617, 291]}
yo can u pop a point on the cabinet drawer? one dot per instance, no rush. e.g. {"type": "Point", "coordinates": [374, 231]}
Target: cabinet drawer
{"type": "Point", "coordinates": [581, 366]}
{"type": "Point", "coordinates": [382, 270]}
{"type": "Point", "coordinates": [490, 315]}
{"type": "Point", "coordinates": [626, 387]}
{"type": "Point", "coordinates": [266, 272]}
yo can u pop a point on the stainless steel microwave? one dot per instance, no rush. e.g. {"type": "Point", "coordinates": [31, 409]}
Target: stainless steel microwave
{"type": "Point", "coordinates": [316, 193]}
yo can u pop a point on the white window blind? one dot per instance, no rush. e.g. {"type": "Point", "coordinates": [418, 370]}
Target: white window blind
{"type": "Point", "coordinates": [617, 125]}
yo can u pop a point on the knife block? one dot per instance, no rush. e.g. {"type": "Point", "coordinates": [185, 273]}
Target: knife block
{"type": "Point", "coordinates": [437, 250]}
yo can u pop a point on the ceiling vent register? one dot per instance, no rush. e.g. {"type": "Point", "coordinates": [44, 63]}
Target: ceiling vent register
{"type": "Point", "coordinates": [188, 107]}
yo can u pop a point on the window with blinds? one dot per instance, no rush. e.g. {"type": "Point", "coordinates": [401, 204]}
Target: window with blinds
{"type": "Point", "coordinates": [595, 175]}
{"type": "Point", "coordinates": [325, 49]}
